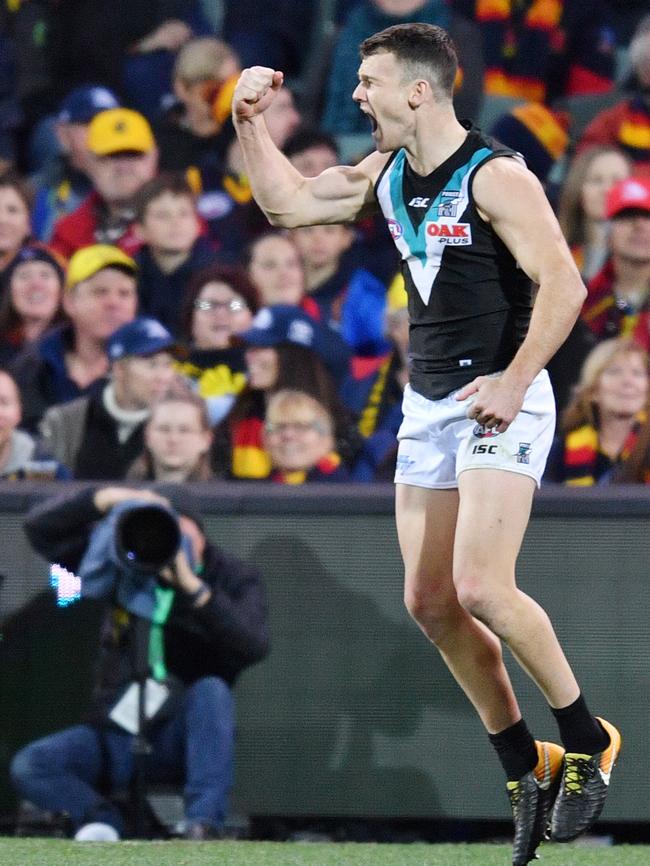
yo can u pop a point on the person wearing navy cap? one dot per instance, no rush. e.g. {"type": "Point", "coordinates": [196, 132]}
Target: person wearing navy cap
{"type": "Point", "coordinates": [63, 183]}
{"type": "Point", "coordinates": [284, 323]}
{"type": "Point", "coordinates": [102, 434]}
{"type": "Point", "coordinates": [285, 348]}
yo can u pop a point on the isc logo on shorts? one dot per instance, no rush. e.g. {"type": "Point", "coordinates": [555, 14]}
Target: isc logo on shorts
{"type": "Point", "coordinates": [459, 234]}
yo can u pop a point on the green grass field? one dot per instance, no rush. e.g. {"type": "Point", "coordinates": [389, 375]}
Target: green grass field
{"type": "Point", "coordinates": [50, 852]}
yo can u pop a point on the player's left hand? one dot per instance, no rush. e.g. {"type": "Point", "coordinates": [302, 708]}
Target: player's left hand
{"type": "Point", "coordinates": [496, 402]}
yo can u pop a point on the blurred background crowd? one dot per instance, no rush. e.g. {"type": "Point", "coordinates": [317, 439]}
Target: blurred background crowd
{"type": "Point", "coordinates": [153, 326]}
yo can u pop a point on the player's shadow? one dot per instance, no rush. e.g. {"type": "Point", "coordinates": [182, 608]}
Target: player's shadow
{"type": "Point", "coordinates": [345, 689]}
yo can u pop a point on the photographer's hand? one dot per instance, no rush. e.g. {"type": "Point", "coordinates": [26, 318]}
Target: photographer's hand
{"type": "Point", "coordinates": [107, 497]}
{"type": "Point", "coordinates": [182, 577]}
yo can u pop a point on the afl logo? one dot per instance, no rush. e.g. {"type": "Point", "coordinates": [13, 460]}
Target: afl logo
{"type": "Point", "coordinates": [482, 432]}
{"type": "Point", "coordinates": [395, 229]}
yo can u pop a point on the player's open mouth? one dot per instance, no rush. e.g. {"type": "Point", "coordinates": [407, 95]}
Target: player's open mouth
{"type": "Point", "coordinates": [373, 123]}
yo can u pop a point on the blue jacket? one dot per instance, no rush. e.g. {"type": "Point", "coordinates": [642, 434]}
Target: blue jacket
{"type": "Point", "coordinates": [342, 115]}
{"type": "Point", "coordinates": [353, 302]}
{"type": "Point", "coordinates": [161, 295]}
{"type": "Point", "coordinates": [42, 376]}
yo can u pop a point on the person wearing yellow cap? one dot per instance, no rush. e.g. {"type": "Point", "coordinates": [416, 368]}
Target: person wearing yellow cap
{"type": "Point", "coordinates": [122, 157]}
{"type": "Point", "coordinates": [70, 360]}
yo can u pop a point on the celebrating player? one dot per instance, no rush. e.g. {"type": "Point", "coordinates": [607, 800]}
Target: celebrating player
{"type": "Point", "coordinates": [473, 228]}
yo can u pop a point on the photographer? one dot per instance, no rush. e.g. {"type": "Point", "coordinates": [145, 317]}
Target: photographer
{"type": "Point", "coordinates": [208, 621]}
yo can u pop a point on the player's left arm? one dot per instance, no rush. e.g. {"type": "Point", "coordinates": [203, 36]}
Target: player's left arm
{"type": "Point", "coordinates": [512, 199]}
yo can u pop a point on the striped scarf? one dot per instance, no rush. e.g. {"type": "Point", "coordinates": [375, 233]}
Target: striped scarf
{"type": "Point", "coordinates": [325, 467]}
{"type": "Point", "coordinates": [584, 463]}
{"type": "Point", "coordinates": [601, 312]}
{"type": "Point", "coordinates": [522, 40]}
{"type": "Point", "coordinates": [249, 459]}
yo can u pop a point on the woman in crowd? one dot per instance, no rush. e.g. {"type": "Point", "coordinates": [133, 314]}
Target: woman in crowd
{"type": "Point", "coordinates": [20, 457]}
{"type": "Point", "coordinates": [177, 440]}
{"type": "Point", "coordinates": [605, 427]}
{"type": "Point", "coordinates": [219, 303]}
{"type": "Point", "coordinates": [31, 300]}
{"type": "Point", "coordinates": [284, 349]}
{"type": "Point", "coordinates": [275, 268]}
{"type": "Point", "coordinates": [581, 210]}
{"type": "Point", "coordinates": [15, 220]}
{"type": "Point", "coordinates": [299, 439]}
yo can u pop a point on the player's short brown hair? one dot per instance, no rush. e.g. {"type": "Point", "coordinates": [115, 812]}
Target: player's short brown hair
{"type": "Point", "coordinates": [425, 51]}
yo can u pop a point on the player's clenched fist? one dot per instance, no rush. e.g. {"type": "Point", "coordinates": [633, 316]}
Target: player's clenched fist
{"type": "Point", "coordinates": [255, 91]}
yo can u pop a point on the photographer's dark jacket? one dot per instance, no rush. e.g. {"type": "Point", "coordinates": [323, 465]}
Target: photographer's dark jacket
{"type": "Point", "coordinates": [222, 638]}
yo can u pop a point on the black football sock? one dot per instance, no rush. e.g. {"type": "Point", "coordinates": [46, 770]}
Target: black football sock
{"type": "Point", "coordinates": [580, 732]}
{"type": "Point", "coordinates": [516, 749]}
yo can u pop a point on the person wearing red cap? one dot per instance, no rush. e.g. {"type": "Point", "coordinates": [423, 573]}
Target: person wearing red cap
{"type": "Point", "coordinates": [618, 301]}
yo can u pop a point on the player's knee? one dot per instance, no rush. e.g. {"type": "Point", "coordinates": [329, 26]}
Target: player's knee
{"type": "Point", "coordinates": [475, 597]}
{"type": "Point", "coordinates": [431, 612]}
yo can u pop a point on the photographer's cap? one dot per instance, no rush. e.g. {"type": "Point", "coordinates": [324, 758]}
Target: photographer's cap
{"type": "Point", "coordinates": [88, 261]}
{"type": "Point", "coordinates": [142, 336]}
{"type": "Point", "coordinates": [120, 130]}
{"type": "Point", "coordinates": [83, 103]}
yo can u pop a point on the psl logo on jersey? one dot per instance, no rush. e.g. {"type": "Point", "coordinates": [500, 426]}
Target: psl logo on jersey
{"type": "Point", "coordinates": [459, 234]}
{"type": "Point", "coordinates": [395, 229]}
{"type": "Point", "coordinates": [448, 206]}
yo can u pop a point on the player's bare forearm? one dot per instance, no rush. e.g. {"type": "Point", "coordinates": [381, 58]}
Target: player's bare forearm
{"type": "Point", "coordinates": [557, 306]}
{"type": "Point", "coordinates": [275, 183]}
{"type": "Point", "coordinates": [512, 199]}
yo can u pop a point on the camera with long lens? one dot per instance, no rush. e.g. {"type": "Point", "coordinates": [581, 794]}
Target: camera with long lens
{"type": "Point", "coordinates": [147, 538]}
{"type": "Point", "coordinates": [127, 550]}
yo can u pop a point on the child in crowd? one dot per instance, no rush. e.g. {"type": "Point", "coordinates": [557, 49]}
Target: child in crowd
{"type": "Point", "coordinates": [177, 440]}
{"type": "Point", "coordinates": [197, 128]}
{"type": "Point", "coordinates": [173, 248]}
{"type": "Point", "coordinates": [349, 299]}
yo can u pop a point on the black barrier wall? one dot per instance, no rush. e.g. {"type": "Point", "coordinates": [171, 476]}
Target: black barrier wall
{"type": "Point", "coordinates": [353, 714]}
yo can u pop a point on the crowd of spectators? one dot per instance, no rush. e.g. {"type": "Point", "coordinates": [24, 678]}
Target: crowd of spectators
{"type": "Point", "coordinates": [154, 326]}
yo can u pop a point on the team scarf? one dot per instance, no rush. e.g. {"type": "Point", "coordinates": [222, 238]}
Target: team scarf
{"type": "Point", "coordinates": [585, 463]}
{"type": "Point", "coordinates": [602, 314]}
{"type": "Point", "coordinates": [370, 414]}
{"type": "Point", "coordinates": [633, 134]}
{"type": "Point", "coordinates": [249, 459]}
{"type": "Point", "coordinates": [519, 37]}
{"type": "Point", "coordinates": [326, 466]}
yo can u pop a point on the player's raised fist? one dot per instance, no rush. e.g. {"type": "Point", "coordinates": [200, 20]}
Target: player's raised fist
{"type": "Point", "coordinates": [255, 91]}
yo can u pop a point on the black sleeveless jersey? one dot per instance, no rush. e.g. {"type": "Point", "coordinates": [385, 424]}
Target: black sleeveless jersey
{"type": "Point", "coordinates": [469, 302]}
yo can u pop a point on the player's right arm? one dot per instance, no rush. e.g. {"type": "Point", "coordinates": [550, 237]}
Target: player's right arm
{"type": "Point", "coordinates": [338, 195]}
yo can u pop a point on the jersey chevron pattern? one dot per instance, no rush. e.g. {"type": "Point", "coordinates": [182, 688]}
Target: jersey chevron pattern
{"type": "Point", "coordinates": [469, 303]}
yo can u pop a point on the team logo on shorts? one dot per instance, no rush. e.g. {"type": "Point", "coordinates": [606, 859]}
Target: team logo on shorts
{"type": "Point", "coordinates": [403, 463]}
{"type": "Point", "coordinates": [482, 432]}
{"type": "Point", "coordinates": [523, 455]}
{"type": "Point", "coordinates": [395, 229]}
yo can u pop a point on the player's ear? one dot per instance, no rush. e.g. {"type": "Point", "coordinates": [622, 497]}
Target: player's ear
{"type": "Point", "coordinates": [419, 93]}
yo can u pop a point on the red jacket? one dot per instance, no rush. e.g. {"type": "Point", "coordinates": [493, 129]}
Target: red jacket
{"type": "Point", "coordinates": [80, 229]}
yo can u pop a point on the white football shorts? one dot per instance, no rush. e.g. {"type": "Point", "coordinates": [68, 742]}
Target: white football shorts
{"type": "Point", "coordinates": [437, 441]}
